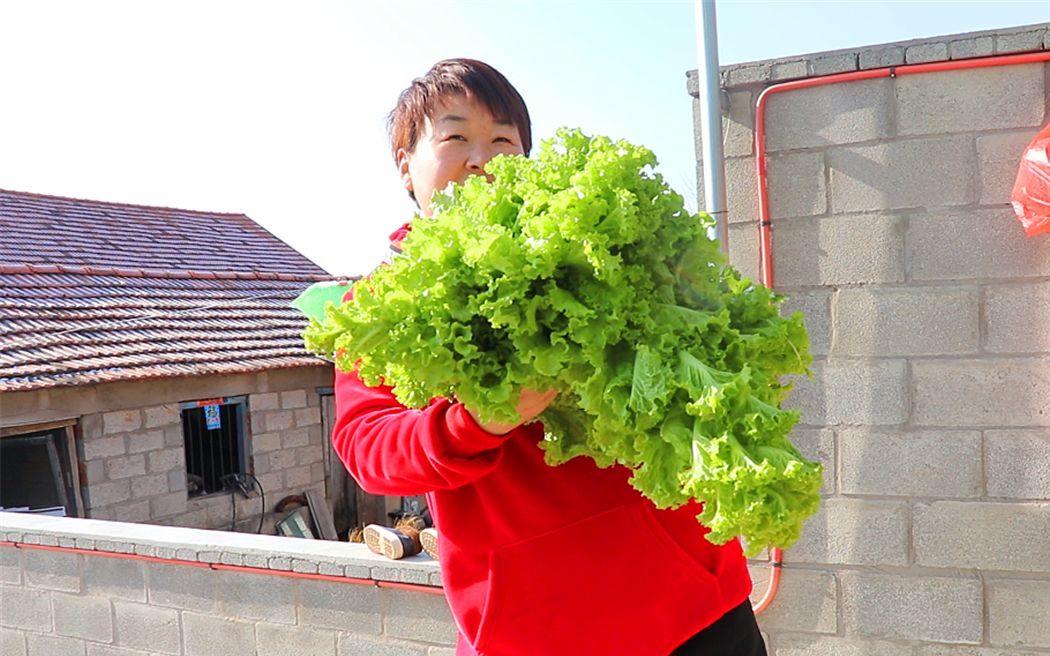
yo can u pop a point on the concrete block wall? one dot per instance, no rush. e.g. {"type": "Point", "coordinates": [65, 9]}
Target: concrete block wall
{"type": "Point", "coordinates": [97, 588]}
{"type": "Point", "coordinates": [929, 315]}
{"type": "Point", "coordinates": [133, 462]}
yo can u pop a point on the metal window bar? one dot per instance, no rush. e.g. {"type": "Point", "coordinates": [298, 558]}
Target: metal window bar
{"type": "Point", "coordinates": [214, 454]}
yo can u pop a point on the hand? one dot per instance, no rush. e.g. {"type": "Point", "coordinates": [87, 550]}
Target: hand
{"type": "Point", "coordinates": [530, 405]}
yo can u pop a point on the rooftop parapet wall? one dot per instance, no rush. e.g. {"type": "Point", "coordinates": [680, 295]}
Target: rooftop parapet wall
{"type": "Point", "coordinates": [929, 317]}
{"type": "Point", "coordinates": [70, 585]}
{"type": "Point", "coordinates": [1029, 38]}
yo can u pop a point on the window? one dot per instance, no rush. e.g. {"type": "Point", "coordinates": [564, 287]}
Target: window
{"type": "Point", "coordinates": [36, 471]}
{"type": "Point", "coordinates": [214, 437]}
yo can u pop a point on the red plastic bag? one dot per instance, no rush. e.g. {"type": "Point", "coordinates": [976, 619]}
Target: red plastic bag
{"type": "Point", "coordinates": [1031, 195]}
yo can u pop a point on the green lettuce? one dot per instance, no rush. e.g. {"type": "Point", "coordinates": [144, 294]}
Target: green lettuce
{"type": "Point", "coordinates": [581, 270]}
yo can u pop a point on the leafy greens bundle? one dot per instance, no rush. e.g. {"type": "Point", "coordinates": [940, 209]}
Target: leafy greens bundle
{"type": "Point", "coordinates": [580, 270]}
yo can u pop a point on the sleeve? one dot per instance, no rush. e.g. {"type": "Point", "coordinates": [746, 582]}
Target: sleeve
{"type": "Point", "coordinates": [391, 449]}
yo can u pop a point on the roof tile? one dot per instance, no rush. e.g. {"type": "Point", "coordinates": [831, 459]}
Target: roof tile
{"type": "Point", "coordinates": [94, 292]}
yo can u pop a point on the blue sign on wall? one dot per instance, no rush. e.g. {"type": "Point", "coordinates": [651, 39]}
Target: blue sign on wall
{"type": "Point", "coordinates": [211, 417]}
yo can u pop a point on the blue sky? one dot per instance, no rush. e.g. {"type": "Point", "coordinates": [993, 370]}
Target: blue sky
{"type": "Point", "coordinates": [277, 109]}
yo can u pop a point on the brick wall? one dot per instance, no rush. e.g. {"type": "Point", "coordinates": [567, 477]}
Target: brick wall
{"type": "Point", "coordinates": [929, 314]}
{"type": "Point", "coordinates": [99, 588]}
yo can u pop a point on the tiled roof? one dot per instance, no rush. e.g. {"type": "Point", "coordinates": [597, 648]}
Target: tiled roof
{"type": "Point", "coordinates": [95, 292]}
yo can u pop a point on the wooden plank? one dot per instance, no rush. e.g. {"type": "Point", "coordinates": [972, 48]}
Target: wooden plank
{"type": "Point", "coordinates": [11, 431]}
{"type": "Point", "coordinates": [321, 514]}
{"type": "Point", "coordinates": [74, 470]}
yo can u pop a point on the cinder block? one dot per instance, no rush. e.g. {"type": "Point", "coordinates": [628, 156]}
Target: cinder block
{"type": "Point", "coordinates": [317, 472]}
{"type": "Point", "coordinates": [101, 495]}
{"type": "Point", "coordinates": [266, 401]}
{"type": "Point", "coordinates": [341, 606]}
{"type": "Point", "coordinates": [973, 535]}
{"type": "Point", "coordinates": [275, 640]}
{"type": "Point", "coordinates": [295, 437]}
{"type": "Point", "coordinates": [91, 426]}
{"type": "Point", "coordinates": [1019, 41]}
{"type": "Point", "coordinates": [308, 455]}
{"type": "Point", "coordinates": [122, 421]}
{"type": "Point", "coordinates": [352, 645]}
{"type": "Point", "coordinates": [168, 504]}
{"type": "Point", "coordinates": [934, 172]}
{"type": "Point", "coordinates": [417, 616]}
{"type": "Point", "coordinates": [926, 52]}
{"type": "Point", "coordinates": [981, 46]}
{"type": "Point", "coordinates": [925, 608]}
{"type": "Point", "coordinates": [279, 421]}
{"type": "Point", "coordinates": [207, 635]}
{"type": "Point", "coordinates": [166, 460]}
{"type": "Point", "coordinates": [1017, 613]}
{"type": "Point", "coordinates": [881, 57]}
{"type": "Point", "coordinates": [88, 618]}
{"type": "Point", "coordinates": [789, 70]}
{"type": "Point", "coordinates": [858, 392]}
{"type": "Point", "coordinates": [818, 445]}
{"type": "Point", "coordinates": [836, 63]}
{"type": "Point", "coordinates": [838, 250]}
{"type": "Point", "coordinates": [906, 321]}
{"type": "Point", "coordinates": [973, 245]}
{"type": "Point", "coordinates": [808, 645]}
{"type": "Point", "coordinates": [1017, 463]}
{"type": "Point", "coordinates": [174, 437]}
{"type": "Point", "coordinates": [750, 74]}
{"type": "Point", "coordinates": [293, 399]}
{"type": "Point", "coordinates": [994, 98]}
{"type": "Point", "coordinates": [264, 442]}
{"type": "Point", "coordinates": [104, 447]}
{"type": "Point", "coordinates": [282, 459]}
{"type": "Point", "coordinates": [114, 578]}
{"type": "Point", "coordinates": [1018, 318]}
{"type": "Point", "coordinates": [830, 115]}
{"type": "Point", "coordinates": [998, 156]}
{"type": "Point", "coordinates": [162, 415]}
{"type": "Point", "coordinates": [145, 441]}
{"type": "Point", "coordinates": [12, 642]}
{"type": "Point", "coordinates": [52, 570]}
{"type": "Point", "coordinates": [126, 466]}
{"type": "Point", "coordinates": [815, 306]}
{"type": "Point", "coordinates": [306, 417]}
{"type": "Point", "coordinates": [741, 192]}
{"type": "Point", "coordinates": [54, 645]}
{"type": "Point", "coordinates": [137, 512]}
{"type": "Point", "coordinates": [10, 566]}
{"type": "Point", "coordinates": [148, 486]}
{"type": "Point", "coordinates": [147, 627]}
{"type": "Point", "coordinates": [257, 597]}
{"type": "Point", "coordinates": [298, 477]}
{"type": "Point", "coordinates": [910, 463]}
{"type": "Point", "coordinates": [992, 393]}
{"type": "Point", "coordinates": [797, 185]}
{"type": "Point", "coordinates": [743, 249]}
{"type": "Point", "coordinates": [805, 601]}
{"type": "Point", "coordinates": [183, 587]}
{"type": "Point", "coordinates": [855, 532]}
{"type": "Point", "coordinates": [25, 609]}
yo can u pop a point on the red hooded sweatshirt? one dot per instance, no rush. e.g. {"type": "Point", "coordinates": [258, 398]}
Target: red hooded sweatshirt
{"type": "Point", "coordinates": [539, 560]}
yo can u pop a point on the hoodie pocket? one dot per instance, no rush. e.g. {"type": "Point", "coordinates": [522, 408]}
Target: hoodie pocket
{"type": "Point", "coordinates": [614, 583]}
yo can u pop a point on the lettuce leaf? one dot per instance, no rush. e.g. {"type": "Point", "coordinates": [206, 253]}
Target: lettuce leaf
{"type": "Point", "coordinates": [581, 270]}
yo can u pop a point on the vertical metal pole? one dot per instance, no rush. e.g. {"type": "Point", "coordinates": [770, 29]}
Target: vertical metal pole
{"type": "Point", "coordinates": [711, 118]}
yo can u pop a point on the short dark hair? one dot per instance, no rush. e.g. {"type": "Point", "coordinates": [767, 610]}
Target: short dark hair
{"type": "Point", "coordinates": [470, 77]}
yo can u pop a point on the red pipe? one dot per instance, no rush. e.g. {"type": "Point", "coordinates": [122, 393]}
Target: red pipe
{"type": "Point", "coordinates": [765, 244]}
{"type": "Point", "coordinates": [414, 587]}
